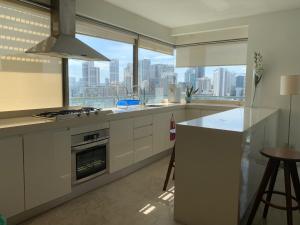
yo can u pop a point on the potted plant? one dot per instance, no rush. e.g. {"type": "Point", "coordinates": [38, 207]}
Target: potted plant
{"type": "Point", "coordinates": [190, 91]}
{"type": "Point", "coordinates": [258, 71]}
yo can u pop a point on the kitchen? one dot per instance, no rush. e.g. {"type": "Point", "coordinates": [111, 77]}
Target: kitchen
{"type": "Point", "coordinates": [89, 95]}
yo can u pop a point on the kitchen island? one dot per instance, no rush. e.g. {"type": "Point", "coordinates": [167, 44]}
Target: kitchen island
{"type": "Point", "coordinates": [218, 165]}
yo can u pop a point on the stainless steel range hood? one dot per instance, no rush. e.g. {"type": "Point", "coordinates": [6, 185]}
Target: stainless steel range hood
{"type": "Point", "coordinates": [62, 43]}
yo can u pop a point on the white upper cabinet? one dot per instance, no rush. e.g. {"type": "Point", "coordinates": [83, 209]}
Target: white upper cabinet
{"type": "Point", "coordinates": [11, 176]}
{"type": "Point", "coordinates": [121, 151]}
{"type": "Point", "coordinates": [47, 163]}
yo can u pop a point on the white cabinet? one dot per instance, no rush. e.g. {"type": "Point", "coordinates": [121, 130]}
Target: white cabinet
{"type": "Point", "coordinates": [142, 148]}
{"type": "Point", "coordinates": [11, 176]}
{"type": "Point", "coordinates": [161, 132]}
{"type": "Point", "coordinates": [142, 135]}
{"type": "Point", "coordinates": [121, 151]}
{"type": "Point", "coordinates": [47, 166]}
{"type": "Point", "coordinates": [179, 115]}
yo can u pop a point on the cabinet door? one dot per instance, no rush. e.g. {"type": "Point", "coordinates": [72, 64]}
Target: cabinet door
{"type": "Point", "coordinates": [11, 176]}
{"type": "Point", "coordinates": [161, 132]}
{"type": "Point", "coordinates": [47, 158]}
{"type": "Point", "coordinates": [179, 115]}
{"type": "Point", "coordinates": [121, 144]}
{"type": "Point", "coordinates": [142, 148]}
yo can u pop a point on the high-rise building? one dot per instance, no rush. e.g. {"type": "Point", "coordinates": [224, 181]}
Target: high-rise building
{"type": "Point", "coordinates": [144, 69]}
{"type": "Point", "coordinates": [223, 82]}
{"type": "Point", "coordinates": [240, 86]}
{"type": "Point", "coordinates": [90, 74]}
{"type": "Point", "coordinates": [204, 85]}
{"type": "Point", "coordinates": [128, 73]}
{"type": "Point", "coordinates": [114, 71]}
{"type": "Point", "coordinates": [199, 72]}
{"type": "Point", "coordinates": [190, 77]}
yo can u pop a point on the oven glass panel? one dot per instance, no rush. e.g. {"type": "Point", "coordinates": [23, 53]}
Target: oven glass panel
{"type": "Point", "coordinates": [90, 161]}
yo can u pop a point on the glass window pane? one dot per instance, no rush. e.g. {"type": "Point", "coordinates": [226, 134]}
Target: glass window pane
{"type": "Point", "coordinates": [101, 84]}
{"type": "Point", "coordinates": [26, 81]}
{"type": "Point", "coordinates": [214, 82]}
{"type": "Point", "coordinates": [156, 73]}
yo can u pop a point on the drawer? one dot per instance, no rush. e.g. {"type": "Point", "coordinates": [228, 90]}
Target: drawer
{"type": "Point", "coordinates": [142, 132]}
{"type": "Point", "coordinates": [142, 121]}
{"type": "Point", "coordinates": [142, 148]}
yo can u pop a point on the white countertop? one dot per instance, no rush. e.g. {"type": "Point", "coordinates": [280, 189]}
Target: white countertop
{"type": "Point", "coordinates": [16, 125]}
{"type": "Point", "coordinates": [236, 120]}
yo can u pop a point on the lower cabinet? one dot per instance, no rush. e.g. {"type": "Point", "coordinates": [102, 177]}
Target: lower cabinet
{"type": "Point", "coordinates": [121, 151]}
{"type": "Point", "coordinates": [11, 176]}
{"type": "Point", "coordinates": [161, 129]}
{"type": "Point", "coordinates": [47, 166]}
{"type": "Point", "coordinates": [142, 148]}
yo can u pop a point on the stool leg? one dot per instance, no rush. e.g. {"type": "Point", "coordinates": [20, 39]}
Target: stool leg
{"type": "Point", "coordinates": [287, 179]}
{"type": "Point", "coordinates": [171, 163]}
{"type": "Point", "coordinates": [296, 182]}
{"type": "Point", "coordinates": [261, 190]}
{"type": "Point", "coordinates": [271, 187]}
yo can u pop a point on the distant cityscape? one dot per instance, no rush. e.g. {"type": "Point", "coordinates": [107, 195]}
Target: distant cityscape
{"type": "Point", "coordinates": [155, 78]}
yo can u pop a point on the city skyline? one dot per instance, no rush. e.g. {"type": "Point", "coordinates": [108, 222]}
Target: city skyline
{"type": "Point", "coordinates": [124, 53]}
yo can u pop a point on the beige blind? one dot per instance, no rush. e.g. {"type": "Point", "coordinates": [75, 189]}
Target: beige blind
{"type": "Point", "coordinates": [224, 54]}
{"type": "Point", "coordinates": [26, 81]}
{"type": "Point", "coordinates": [155, 46]}
{"type": "Point", "coordinates": [87, 28]}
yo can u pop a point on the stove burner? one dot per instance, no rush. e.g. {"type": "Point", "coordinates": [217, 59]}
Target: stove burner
{"type": "Point", "coordinates": [69, 113]}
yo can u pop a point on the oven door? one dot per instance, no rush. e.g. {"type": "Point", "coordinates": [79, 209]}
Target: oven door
{"type": "Point", "coordinates": [89, 161]}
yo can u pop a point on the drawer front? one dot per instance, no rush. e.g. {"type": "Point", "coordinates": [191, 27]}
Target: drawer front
{"type": "Point", "coordinates": [142, 121]}
{"type": "Point", "coordinates": [142, 148]}
{"type": "Point", "coordinates": [142, 132]}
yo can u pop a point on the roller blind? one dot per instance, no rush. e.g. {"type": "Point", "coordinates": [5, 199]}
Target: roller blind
{"type": "Point", "coordinates": [26, 81]}
{"type": "Point", "coordinates": [88, 28]}
{"type": "Point", "coordinates": [225, 54]}
{"type": "Point", "coordinates": [155, 46]}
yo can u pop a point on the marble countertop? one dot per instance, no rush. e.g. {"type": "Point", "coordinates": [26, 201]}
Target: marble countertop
{"type": "Point", "coordinates": [236, 120]}
{"type": "Point", "coordinates": [16, 125]}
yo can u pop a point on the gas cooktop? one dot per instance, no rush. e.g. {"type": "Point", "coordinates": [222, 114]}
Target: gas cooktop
{"type": "Point", "coordinates": [69, 113]}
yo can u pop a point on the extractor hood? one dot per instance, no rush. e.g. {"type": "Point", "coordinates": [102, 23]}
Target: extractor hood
{"type": "Point", "coordinates": [62, 43]}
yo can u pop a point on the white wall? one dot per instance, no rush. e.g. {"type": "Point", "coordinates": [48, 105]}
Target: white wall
{"type": "Point", "coordinates": [106, 12]}
{"type": "Point", "coordinates": [277, 36]}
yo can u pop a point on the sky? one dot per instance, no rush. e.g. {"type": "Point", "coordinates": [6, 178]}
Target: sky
{"type": "Point", "coordinates": [124, 52]}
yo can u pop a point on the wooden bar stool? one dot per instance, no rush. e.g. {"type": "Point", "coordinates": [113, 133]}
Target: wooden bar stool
{"type": "Point", "coordinates": [276, 156]}
{"type": "Point", "coordinates": [170, 167]}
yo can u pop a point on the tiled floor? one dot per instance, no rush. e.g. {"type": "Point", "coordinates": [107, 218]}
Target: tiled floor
{"type": "Point", "coordinates": [134, 200]}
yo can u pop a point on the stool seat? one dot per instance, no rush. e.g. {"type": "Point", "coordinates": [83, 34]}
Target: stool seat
{"type": "Point", "coordinates": [285, 154]}
{"type": "Point", "coordinates": [288, 158]}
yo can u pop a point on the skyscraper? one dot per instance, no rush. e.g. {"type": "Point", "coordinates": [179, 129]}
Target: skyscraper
{"type": "Point", "coordinates": [190, 77]}
{"type": "Point", "coordinates": [223, 82]}
{"type": "Point", "coordinates": [90, 74]}
{"type": "Point", "coordinates": [128, 72]}
{"type": "Point", "coordinates": [204, 85]}
{"type": "Point", "coordinates": [240, 86]}
{"type": "Point", "coordinates": [144, 69]}
{"type": "Point", "coordinates": [114, 71]}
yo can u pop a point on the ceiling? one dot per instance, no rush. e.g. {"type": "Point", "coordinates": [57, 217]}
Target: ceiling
{"type": "Point", "coordinates": [176, 13]}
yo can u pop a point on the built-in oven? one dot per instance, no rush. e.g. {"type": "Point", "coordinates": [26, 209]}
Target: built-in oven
{"type": "Point", "coordinates": [89, 155]}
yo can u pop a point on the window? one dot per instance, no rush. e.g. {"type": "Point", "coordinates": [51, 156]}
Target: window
{"type": "Point", "coordinates": [26, 81]}
{"type": "Point", "coordinates": [101, 84]}
{"type": "Point", "coordinates": [218, 70]}
{"type": "Point", "coordinates": [214, 82]}
{"type": "Point", "coordinates": [156, 73]}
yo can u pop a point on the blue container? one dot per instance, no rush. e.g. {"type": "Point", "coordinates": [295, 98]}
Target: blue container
{"type": "Point", "coordinates": [128, 102]}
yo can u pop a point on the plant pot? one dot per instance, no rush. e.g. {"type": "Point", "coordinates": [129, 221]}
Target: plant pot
{"type": "Point", "coordinates": [188, 99]}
